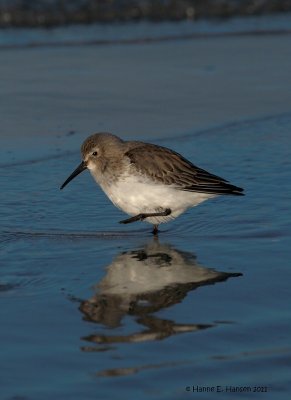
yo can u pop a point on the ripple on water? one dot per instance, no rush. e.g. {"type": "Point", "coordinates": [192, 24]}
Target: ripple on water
{"type": "Point", "coordinates": [43, 262]}
{"type": "Point", "coordinates": [5, 287]}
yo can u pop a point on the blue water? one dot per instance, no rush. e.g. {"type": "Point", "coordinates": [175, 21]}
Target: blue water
{"type": "Point", "coordinates": [91, 309]}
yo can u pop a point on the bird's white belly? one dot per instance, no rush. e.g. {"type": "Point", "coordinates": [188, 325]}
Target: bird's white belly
{"type": "Point", "coordinates": [134, 195]}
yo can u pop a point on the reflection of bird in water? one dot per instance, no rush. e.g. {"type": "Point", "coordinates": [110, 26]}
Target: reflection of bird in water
{"type": "Point", "coordinates": [141, 282]}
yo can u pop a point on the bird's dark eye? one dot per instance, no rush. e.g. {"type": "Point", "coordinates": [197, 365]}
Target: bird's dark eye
{"type": "Point", "coordinates": [94, 153]}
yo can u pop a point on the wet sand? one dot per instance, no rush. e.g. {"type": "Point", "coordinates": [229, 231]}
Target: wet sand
{"type": "Point", "coordinates": [147, 91]}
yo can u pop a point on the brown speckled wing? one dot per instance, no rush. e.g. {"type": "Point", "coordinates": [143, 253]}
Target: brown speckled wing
{"type": "Point", "coordinates": [170, 168]}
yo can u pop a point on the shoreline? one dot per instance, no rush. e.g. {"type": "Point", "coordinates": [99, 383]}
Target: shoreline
{"type": "Point", "coordinates": [146, 40]}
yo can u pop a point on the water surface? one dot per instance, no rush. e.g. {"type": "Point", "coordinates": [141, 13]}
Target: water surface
{"type": "Point", "coordinates": [92, 309]}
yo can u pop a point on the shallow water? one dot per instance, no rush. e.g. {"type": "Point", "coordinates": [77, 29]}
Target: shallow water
{"type": "Point", "coordinates": [92, 309]}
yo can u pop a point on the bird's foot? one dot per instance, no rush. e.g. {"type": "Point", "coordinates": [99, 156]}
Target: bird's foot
{"type": "Point", "coordinates": [142, 216]}
{"type": "Point", "coordinates": [138, 217]}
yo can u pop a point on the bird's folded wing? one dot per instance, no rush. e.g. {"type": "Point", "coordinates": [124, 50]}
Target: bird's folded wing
{"type": "Point", "coordinates": [165, 166]}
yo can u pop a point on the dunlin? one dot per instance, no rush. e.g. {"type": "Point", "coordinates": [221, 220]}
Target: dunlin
{"type": "Point", "coordinates": [148, 182]}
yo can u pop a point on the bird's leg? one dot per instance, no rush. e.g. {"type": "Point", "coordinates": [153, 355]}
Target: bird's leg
{"type": "Point", "coordinates": [142, 216]}
{"type": "Point", "coordinates": [155, 230]}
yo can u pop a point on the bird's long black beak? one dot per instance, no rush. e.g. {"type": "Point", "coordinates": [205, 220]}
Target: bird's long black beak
{"type": "Point", "coordinates": [77, 171]}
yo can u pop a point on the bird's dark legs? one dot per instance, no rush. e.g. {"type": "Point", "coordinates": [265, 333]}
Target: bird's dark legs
{"type": "Point", "coordinates": [141, 217]}
{"type": "Point", "coordinates": [155, 230]}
